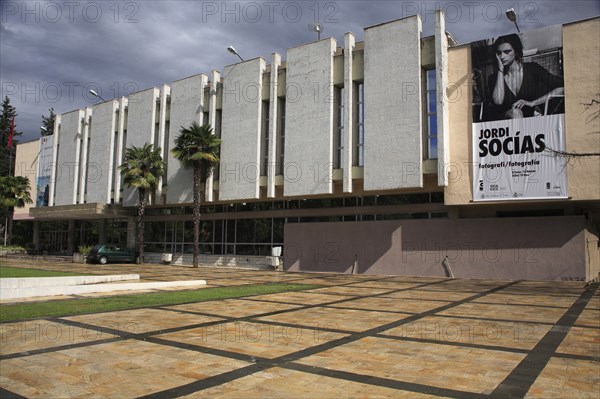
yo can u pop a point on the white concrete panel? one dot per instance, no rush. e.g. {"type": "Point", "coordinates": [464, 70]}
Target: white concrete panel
{"type": "Point", "coordinates": [212, 120]}
{"type": "Point", "coordinates": [67, 161]}
{"type": "Point", "coordinates": [349, 43]}
{"type": "Point", "coordinates": [100, 168]}
{"type": "Point", "coordinates": [393, 105]}
{"type": "Point", "coordinates": [123, 103]}
{"type": "Point", "coordinates": [165, 92]}
{"type": "Point", "coordinates": [187, 97]}
{"type": "Point", "coordinates": [83, 159]}
{"type": "Point", "coordinates": [443, 122]}
{"type": "Point", "coordinates": [240, 130]}
{"type": "Point", "coordinates": [273, 123]}
{"type": "Point", "coordinates": [309, 119]}
{"type": "Point", "coordinates": [53, 173]}
{"type": "Point", "coordinates": [140, 128]}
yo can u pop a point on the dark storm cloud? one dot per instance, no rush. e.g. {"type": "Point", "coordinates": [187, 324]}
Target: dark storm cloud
{"type": "Point", "coordinates": [53, 52]}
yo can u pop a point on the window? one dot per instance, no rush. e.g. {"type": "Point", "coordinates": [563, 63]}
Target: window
{"type": "Point", "coordinates": [358, 157]}
{"type": "Point", "coordinates": [281, 131]}
{"type": "Point", "coordinates": [338, 145]}
{"type": "Point", "coordinates": [123, 144]}
{"type": "Point", "coordinates": [431, 115]}
{"type": "Point", "coordinates": [264, 148]}
{"type": "Point", "coordinates": [217, 133]}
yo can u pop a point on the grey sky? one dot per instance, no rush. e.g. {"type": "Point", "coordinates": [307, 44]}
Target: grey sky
{"type": "Point", "coordinates": [53, 52]}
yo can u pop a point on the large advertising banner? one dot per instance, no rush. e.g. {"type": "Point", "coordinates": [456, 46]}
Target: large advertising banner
{"type": "Point", "coordinates": [44, 170]}
{"type": "Point", "coordinates": [518, 117]}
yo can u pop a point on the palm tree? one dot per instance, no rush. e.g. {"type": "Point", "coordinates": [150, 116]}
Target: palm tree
{"type": "Point", "coordinates": [197, 147]}
{"type": "Point", "coordinates": [142, 167]}
{"type": "Point", "coordinates": [14, 193]}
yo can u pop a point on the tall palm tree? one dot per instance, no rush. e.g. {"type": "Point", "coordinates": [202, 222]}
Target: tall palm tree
{"type": "Point", "coordinates": [198, 148]}
{"type": "Point", "coordinates": [14, 193]}
{"type": "Point", "coordinates": [142, 167]}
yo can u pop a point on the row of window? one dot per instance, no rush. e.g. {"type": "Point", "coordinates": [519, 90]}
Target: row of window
{"type": "Point", "coordinates": [245, 236]}
{"type": "Point", "coordinates": [358, 109]}
{"type": "Point", "coordinates": [317, 203]}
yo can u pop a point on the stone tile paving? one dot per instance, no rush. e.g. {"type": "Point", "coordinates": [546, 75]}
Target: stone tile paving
{"type": "Point", "coordinates": [357, 337]}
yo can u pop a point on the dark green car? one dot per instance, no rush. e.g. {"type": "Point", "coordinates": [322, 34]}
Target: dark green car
{"type": "Point", "coordinates": [105, 253]}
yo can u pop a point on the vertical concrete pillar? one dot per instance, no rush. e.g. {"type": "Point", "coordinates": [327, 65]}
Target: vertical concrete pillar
{"type": "Point", "coordinates": [349, 43]}
{"type": "Point", "coordinates": [54, 159]}
{"type": "Point", "coordinates": [165, 92]}
{"type": "Point", "coordinates": [84, 155]}
{"type": "Point", "coordinates": [272, 150]}
{"type": "Point", "coordinates": [441, 71]}
{"type": "Point", "coordinates": [212, 117]}
{"type": "Point", "coordinates": [120, 145]}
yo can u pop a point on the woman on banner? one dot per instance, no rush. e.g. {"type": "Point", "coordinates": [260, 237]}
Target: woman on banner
{"type": "Point", "coordinates": [520, 89]}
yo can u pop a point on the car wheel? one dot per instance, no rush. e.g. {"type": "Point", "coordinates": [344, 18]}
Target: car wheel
{"type": "Point", "coordinates": [103, 260]}
{"type": "Point", "coordinates": [137, 260]}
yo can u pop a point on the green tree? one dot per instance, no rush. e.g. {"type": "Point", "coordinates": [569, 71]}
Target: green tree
{"type": "Point", "coordinates": [7, 155]}
{"type": "Point", "coordinates": [48, 123]}
{"type": "Point", "coordinates": [14, 193]}
{"type": "Point", "coordinates": [141, 169]}
{"type": "Point", "coordinates": [198, 148]}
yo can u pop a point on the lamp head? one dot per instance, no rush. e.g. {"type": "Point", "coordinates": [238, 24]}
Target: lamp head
{"type": "Point", "coordinates": [511, 14]}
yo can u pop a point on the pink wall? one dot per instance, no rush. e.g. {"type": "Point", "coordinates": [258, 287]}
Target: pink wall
{"type": "Point", "coordinates": [537, 248]}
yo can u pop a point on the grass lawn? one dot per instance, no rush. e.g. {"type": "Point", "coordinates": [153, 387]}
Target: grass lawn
{"type": "Point", "coordinates": [13, 312]}
{"type": "Point", "coordinates": [8, 272]}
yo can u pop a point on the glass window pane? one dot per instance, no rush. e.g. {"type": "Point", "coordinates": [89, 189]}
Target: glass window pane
{"type": "Point", "coordinates": [188, 232]}
{"type": "Point", "coordinates": [432, 103]}
{"type": "Point", "coordinates": [433, 153]}
{"type": "Point", "coordinates": [278, 230]}
{"type": "Point", "coordinates": [432, 125]}
{"type": "Point", "coordinates": [431, 79]}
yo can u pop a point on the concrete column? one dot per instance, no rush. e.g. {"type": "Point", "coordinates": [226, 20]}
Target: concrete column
{"type": "Point", "coordinates": [349, 42]}
{"type": "Point", "coordinates": [212, 117]}
{"type": "Point", "coordinates": [441, 72]}
{"type": "Point", "coordinates": [84, 155]}
{"type": "Point", "coordinates": [272, 150]}
{"type": "Point", "coordinates": [165, 91]}
{"type": "Point", "coordinates": [120, 144]}
{"type": "Point", "coordinates": [54, 158]}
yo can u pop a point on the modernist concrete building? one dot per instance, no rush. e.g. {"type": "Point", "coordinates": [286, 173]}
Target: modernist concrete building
{"type": "Point", "coordinates": [355, 157]}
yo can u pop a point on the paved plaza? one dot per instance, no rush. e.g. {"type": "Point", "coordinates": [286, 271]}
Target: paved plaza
{"type": "Point", "coordinates": [360, 336]}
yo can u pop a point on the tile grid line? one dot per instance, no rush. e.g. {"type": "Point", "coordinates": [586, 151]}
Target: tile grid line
{"type": "Point", "coordinates": [288, 360]}
{"type": "Point", "coordinates": [340, 374]}
{"type": "Point", "coordinates": [522, 378]}
{"type": "Point", "coordinates": [142, 336]}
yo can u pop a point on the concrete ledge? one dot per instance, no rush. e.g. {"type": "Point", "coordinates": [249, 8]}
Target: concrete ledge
{"type": "Point", "coordinates": [25, 282]}
{"type": "Point", "coordinates": [13, 293]}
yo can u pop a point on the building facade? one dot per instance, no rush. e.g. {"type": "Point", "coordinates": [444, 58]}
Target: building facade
{"type": "Point", "coordinates": [361, 157]}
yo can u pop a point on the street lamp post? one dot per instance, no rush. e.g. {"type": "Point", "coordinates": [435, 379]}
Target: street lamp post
{"type": "Point", "coordinates": [233, 51]}
{"type": "Point", "coordinates": [93, 93]}
{"type": "Point", "coordinates": [512, 16]}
